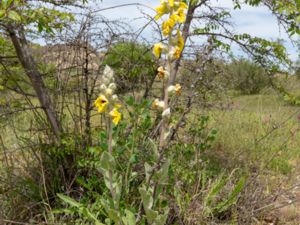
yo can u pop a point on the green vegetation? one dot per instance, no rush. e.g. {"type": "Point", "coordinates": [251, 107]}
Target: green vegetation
{"type": "Point", "coordinates": [101, 127]}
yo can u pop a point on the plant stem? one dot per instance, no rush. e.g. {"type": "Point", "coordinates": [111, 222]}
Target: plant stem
{"type": "Point", "coordinates": [110, 172]}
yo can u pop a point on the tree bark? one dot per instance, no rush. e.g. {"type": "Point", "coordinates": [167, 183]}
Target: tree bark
{"type": "Point", "coordinates": [20, 43]}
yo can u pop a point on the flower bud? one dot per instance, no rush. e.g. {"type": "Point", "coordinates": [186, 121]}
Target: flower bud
{"type": "Point", "coordinates": [178, 89]}
{"type": "Point", "coordinates": [108, 92]}
{"type": "Point", "coordinates": [112, 86]}
{"type": "Point", "coordinates": [162, 73]}
{"type": "Point", "coordinates": [108, 73]}
{"type": "Point", "coordinates": [102, 87]}
{"type": "Point", "coordinates": [171, 90]}
{"type": "Point", "coordinates": [166, 113]}
{"type": "Point", "coordinates": [114, 97]}
{"type": "Point", "coordinates": [174, 53]}
{"type": "Point", "coordinates": [105, 81]}
{"type": "Point", "coordinates": [158, 104]}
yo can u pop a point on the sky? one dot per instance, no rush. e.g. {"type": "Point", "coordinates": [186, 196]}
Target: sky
{"type": "Point", "coordinates": [256, 21]}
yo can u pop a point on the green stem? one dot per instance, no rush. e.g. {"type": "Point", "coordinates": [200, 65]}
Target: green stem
{"type": "Point", "coordinates": [110, 172]}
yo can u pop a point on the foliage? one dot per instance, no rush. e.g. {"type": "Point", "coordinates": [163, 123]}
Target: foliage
{"type": "Point", "coordinates": [156, 165]}
{"type": "Point", "coordinates": [133, 64]}
{"type": "Point", "coordinates": [248, 77]}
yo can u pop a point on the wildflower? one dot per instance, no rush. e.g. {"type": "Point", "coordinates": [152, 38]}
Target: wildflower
{"type": "Point", "coordinates": [178, 89]}
{"type": "Point", "coordinates": [171, 3]}
{"type": "Point", "coordinates": [179, 15]}
{"type": "Point", "coordinates": [171, 89]}
{"type": "Point", "coordinates": [161, 10]}
{"type": "Point", "coordinates": [114, 97]}
{"type": "Point", "coordinates": [101, 103]}
{"type": "Point", "coordinates": [166, 113]}
{"type": "Point", "coordinates": [158, 104]}
{"type": "Point", "coordinates": [115, 115]}
{"type": "Point", "coordinates": [112, 86]}
{"type": "Point", "coordinates": [168, 26]}
{"type": "Point", "coordinates": [177, 52]}
{"type": "Point", "coordinates": [180, 41]}
{"type": "Point", "coordinates": [183, 5]}
{"type": "Point", "coordinates": [157, 49]}
{"type": "Point", "coordinates": [108, 73]}
{"type": "Point", "coordinates": [102, 87]}
{"type": "Point", "coordinates": [108, 92]}
{"type": "Point", "coordinates": [162, 73]}
{"type": "Point", "coordinates": [105, 80]}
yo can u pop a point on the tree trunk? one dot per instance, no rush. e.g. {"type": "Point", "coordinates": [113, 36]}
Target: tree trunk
{"type": "Point", "coordinates": [24, 55]}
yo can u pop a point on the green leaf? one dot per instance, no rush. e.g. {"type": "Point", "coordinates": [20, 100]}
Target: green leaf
{"type": "Point", "coordinates": [107, 161]}
{"type": "Point", "coordinates": [2, 13]}
{"type": "Point", "coordinates": [148, 170]}
{"type": "Point", "coordinates": [129, 219]}
{"type": "Point", "coordinates": [215, 190]}
{"type": "Point", "coordinates": [163, 172]}
{"type": "Point", "coordinates": [151, 215]}
{"type": "Point", "coordinates": [232, 199]}
{"type": "Point", "coordinates": [14, 16]}
{"type": "Point", "coordinates": [146, 198]}
{"type": "Point", "coordinates": [154, 148]}
{"type": "Point", "coordinates": [69, 200]}
{"type": "Point", "coordinates": [114, 215]}
{"type": "Point", "coordinates": [161, 219]}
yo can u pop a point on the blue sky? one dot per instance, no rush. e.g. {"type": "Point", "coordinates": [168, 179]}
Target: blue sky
{"type": "Point", "coordinates": [255, 21]}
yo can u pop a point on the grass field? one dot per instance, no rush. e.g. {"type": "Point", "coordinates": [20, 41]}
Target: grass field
{"type": "Point", "coordinates": [261, 133]}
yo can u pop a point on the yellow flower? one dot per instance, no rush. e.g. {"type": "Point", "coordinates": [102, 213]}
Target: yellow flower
{"type": "Point", "coordinates": [171, 3]}
{"type": "Point", "coordinates": [180, 40]}
{"type": "Point", "coordinates": [177, 52]}
{"type": "Point", "coordinates": [157, 49]}
{"type": "Point", "coordinates": [101, 103]}
{"type": "Point", "coordinates": [161, 10]}
{"type": "Point", "coordinates": [156, 104]}
{"type": "Point", "coordinates": [179, 15]}
{"type": "Point", "coordinates": [162, 73]}
{"type": "Point", "coordinates": [178, 89]}
{"type": "Point", "coordinates": [115, 115]}
{"type": "Point", "coordinates": [167, 26]}
{"type": "Point", "coordinates": [182, 5]}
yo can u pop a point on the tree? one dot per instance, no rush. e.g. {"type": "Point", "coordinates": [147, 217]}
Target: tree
{"type": "Point", "coordinates": [15, 16]}
{"type": "Point", "coordinates": [216, 28]}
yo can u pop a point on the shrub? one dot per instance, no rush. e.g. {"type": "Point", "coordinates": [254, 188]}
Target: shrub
{"type": "Point", "coordinates": [247, 77]}
{"type": "Point", "coordinates": [133, 64]}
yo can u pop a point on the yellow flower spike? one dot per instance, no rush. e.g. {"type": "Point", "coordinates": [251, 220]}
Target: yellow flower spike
{"type": "Point", "coordinates": [161, 10]}
{"type": "Point", "coordinates": [101, 103]}
{"type": "Point", "coordinates": [157, 49]}
{"type": "Point", "coordinates": [168, 26]}
{"type": "Point", "coordinates": [180, 40]}
{"type": "Point", "coordinates": [171, 3]}
{"type": "Point", "coordinates": [179, 16]}
{"type": "Point", "coordinates": [178, 89]}
{"type": "Point", "coordinates": [115, 115]}
{"type": "Point", "coordinates": [183, 5]}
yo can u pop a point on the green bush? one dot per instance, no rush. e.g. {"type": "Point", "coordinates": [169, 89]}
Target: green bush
{"type": "Point", "coordinates": [133, 64]}
{"type": "Point", "coordinates": [247, 77]}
